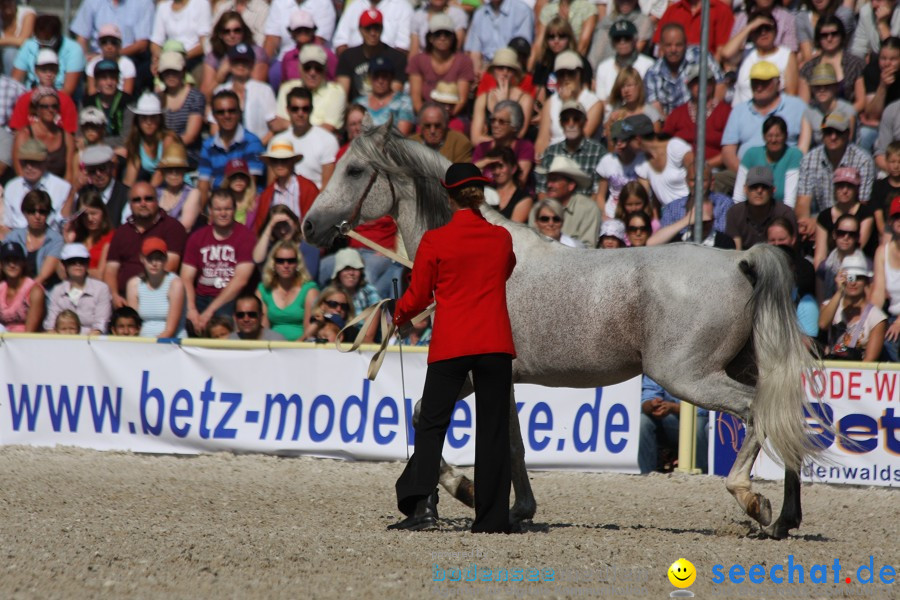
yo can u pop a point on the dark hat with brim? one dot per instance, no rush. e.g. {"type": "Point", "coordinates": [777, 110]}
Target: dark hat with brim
{"type": "Point", "coordinates": [462, 175]}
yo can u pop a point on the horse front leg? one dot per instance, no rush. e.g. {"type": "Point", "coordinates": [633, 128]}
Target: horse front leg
{"type": "Point", "coordinates": [525, 505]}
{"type": "Point", "coordinates": [791, 512]}
{"type": "Point", "coordinates": [457, 485]}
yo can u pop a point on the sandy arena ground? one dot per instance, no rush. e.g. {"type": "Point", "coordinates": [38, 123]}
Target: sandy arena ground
{"type": "Point", "coordinates": [85, 524]}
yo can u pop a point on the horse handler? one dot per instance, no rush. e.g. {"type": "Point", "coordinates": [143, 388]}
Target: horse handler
{"type": "Point", "coordinates": [464, 265]}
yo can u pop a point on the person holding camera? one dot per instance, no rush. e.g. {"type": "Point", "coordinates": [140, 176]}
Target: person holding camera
{"type": "Point", "coordinates": [464, 266]}
{"type": "Point", "coordinates": [855, 326]}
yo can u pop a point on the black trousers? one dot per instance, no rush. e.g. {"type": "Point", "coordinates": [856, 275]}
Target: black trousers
{"type": "Point", "coordinates": [492, 378]}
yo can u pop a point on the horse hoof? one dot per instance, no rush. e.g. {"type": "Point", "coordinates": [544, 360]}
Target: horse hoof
{"type": "Point", "coordinates": [522, 513]}
{"type": "Point", "coordinates": [465, 492]}
{"type": "Point", "coordinates": [777, 531]}
{"type": "Point", "coordinates": [760, 509]}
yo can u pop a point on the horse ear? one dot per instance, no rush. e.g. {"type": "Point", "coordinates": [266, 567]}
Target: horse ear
{"type": "Point", "coordinates": [367, 123]}
{"type": "Point", "coordinates": [384, 131]}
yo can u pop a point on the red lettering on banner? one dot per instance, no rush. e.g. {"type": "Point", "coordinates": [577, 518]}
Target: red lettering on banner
{"type": "Point", "coordinates": [815, 384]}
{"type": "Point", "coordinates": [836, 383]}
{"type": "Point", "coordinates": [885, 385]}
{"type": "Point", "coordinates": [853, 385]}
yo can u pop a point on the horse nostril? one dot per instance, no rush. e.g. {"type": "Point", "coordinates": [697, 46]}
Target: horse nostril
{"type": "Point", "coordinates": [308, 228]}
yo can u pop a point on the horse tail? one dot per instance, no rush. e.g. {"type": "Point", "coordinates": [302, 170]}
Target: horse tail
{"type": "Point", "coordinates": [782, 358]}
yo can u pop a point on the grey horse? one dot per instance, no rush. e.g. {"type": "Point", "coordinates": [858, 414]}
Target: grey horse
{"type": "Point", "coordinates": [714, 327]}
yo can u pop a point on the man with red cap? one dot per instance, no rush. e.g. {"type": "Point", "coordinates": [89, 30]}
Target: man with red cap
{"type": "Point", "coordinates": [468, 260]}
{"type": "Point", "coordinates": [396, 18]}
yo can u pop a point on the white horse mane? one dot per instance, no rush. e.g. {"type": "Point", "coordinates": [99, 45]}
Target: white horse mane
{"type": "Point", "coordinates": [387, 151]}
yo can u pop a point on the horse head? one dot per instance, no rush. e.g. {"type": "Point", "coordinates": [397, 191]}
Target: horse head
{"type": "Point", "coordinates": [380, 171]}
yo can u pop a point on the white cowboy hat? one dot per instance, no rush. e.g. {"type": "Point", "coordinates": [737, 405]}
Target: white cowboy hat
{"type": "Point", "coordinates": [563, 165]}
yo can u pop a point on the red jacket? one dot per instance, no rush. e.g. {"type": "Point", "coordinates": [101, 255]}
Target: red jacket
{"type": "Point", "coordinates": [308, 193]}
{"type": "Point", "coordinates": [464, 265]}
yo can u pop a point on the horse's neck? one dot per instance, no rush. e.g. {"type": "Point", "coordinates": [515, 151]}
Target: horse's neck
{"type": "Point", "coordinates": [411, 229]}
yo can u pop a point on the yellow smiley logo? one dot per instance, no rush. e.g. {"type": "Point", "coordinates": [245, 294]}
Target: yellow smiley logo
{"type": "Point", "coordinates": [682, 573]}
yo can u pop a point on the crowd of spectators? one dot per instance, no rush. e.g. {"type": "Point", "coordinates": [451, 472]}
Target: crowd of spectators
{"type": "Point", "coordinates": [158, 157]}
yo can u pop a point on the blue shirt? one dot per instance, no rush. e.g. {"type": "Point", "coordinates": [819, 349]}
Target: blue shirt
{"type": "Point", "coordinates": [71, 60]}
{"type": "Point", "coordinates": [400, 107]}
{"type": "Point", "coordinates": [650, 390]}
{"type": "Point", "coordinates": [675, 210]}
{"type": "Point", "coordinates": [491, 30]}
{"type": "Point", "coordinates": [745, 124]}
{"type": "Point", "coordinates": [669, 89]}
{"type": "Point", "coordinates": [214, 156]}
{"type": "Point", "coordinates": [134, 18]}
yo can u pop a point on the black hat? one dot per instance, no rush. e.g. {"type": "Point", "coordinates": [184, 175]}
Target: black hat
{"type": "Point", "coordinates": [638, 125]}
{"type": "Point", "coordinates": [463, 175]}
{"type": "Point", "coordinates": [520, 45]}
{"type": "Point", "coordinates": [241, 52]}
{"type": "Point", "coordinates": [12, 250]}
{"type": "Point", "coordinates": [381, 64]}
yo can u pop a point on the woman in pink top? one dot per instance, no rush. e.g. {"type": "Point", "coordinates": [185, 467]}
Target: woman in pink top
{"type": "Point", "coordinates": [21, 301]}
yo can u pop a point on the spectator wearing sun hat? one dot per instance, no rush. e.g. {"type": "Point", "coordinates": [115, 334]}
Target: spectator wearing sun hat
{"type": "Point", "coordinates": [277, 38]}
{"type": "Point", "coordinates": [89, 298]}
{"type": "Point", "coordinates": [612, 234]}
{"type": "Point", "coordinates": [396, 19]}
{"type": "Point", "coordinates": [353, 63]}
{"type": "Point", "coordinates": [32, 156]}
{"type": "Point", "coordinates": [294, 191]}
{"type": "Point", "coordinates": [110, 37]}
{"type": "Point", "coordinates": [421, 23]}
{"type": "Point", "coordinates": [582, 216]}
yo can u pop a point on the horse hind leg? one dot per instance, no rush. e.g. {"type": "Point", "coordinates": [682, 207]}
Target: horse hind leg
{"type": "Point", "coordinates": [791, 511]}
{"type": "Point", "coordinates": [719, 392]}
{"type": "Point", "coordinates": [457, 485]}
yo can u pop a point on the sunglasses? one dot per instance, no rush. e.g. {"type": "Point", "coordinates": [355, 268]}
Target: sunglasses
{"type": "Point", "coordinates": [829, 34]}
{"type": "Point", "coordinates": [109, 40]}
{"type": "Point", "coordinates": [829, 131]}
{"type": "Point", "coordinates": [443, 33]}
{"type": "Point", "coordinates": [335, 304]}
{"type": "Point", "coordinates": [546, 219]}
{"type": "Point", "coordinates": [500, 121]}
{"type": "Point", "coordinates": [38, 211]}
{"type": "Point", "coordinates": [571, 118]}
{"type": "Point", "coordinates": [249, 314]}
{"type": "Point", "coordinates": [226, 111]}
{"type": "Point", "coordinates": [94, 169]}
{"type": "Point", "coordinates": [314, 66]}
{"type": "Point", "coordinates": [75, 262]}
{"type": "Point", "coordinates": [758, 187]}
{"type": "Point", "coordinates": [145, 199]}
{"type": "Point", "coordinates": [232, 30]}
{"type": "Point", "coordinates": [637, 229]}
{"type": "Point", "coordinates": [52, 106]}
{"type": "Point", "coordinates": [765, 29]}
{"type": "Point", "coordinates": [558, 36]}
{"type": "Point", "coordinates": [839, 233]}
{"type": "Point", "coordinates": [286, 261]}
{"type": "Point", "coordinates": [304, 109]}
{"type": "Point", "coordinates": [432, 125]}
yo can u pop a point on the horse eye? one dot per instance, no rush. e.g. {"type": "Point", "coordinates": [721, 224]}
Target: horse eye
{"type": "Point", "coordinates": [354, 171]}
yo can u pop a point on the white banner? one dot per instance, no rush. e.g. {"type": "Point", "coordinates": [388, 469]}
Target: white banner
{"type": "Point", "coordinates": [864, 405]}
{"type": "Point", "coordinates": [165, 398]}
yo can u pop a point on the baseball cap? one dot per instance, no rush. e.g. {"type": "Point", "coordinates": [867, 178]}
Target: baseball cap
{"type": "Point", "coordinates": [764, 71]}
{"type": "Point", "coordinates": [371, 17]}
{"type": "Point", "coordinates": [335, 319]}
{"type": "Point", "coordinates": [237, 165]}
{"type": "Point", "coordinates": [760, 176]}
{"type": "Point", "coordinates": [91, 115]}
{"type": "Point", "coordinates": [313, 53]}
{"type": "Point", "coordinates": [154, 244]}
{"type": "Point", "coordinates": [96, 154]}
{"type": "Point", "coordinates": [301, 19]}
{"type": "Point", "coordinates": [640, 125]}
{"type": "Point", "coordinates": [380, 64]}
{"type": "Point", "coordinates": [46, 56]}
{"type": "Point", "coordinates": [171, 61]}
{"type": "Point", "coordinates": [11, 250]}
{"type": "Point", "coordinates": [241, 52]}
{"type": "Point", "coordinates": [572, 105]}
{"type": "Point", "coordinates": [846, 175]}
{"type": "Point", "coordinates": [692, 72]}
{"type": "Point", "coordinates": [622, 28]}
{"type": "Point", "coordinates": [567, 60]}
{"type": "Point", "coordinates": [70, 251]}
{"type": "Point", "coordinates": [441, 22]}
{"type": "Point", "coordinates": [836, 120]}
{"type": "Point", "coordinates": [109, 30]}
{"type": "Point", "coordinates": [106, 66]}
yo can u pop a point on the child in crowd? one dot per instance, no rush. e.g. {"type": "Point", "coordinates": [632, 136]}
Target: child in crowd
{"type": "Point", "coordinates": [92, 122]}
{"type": "Point", "coordinates": [243, 187]}
{"type": "Point", "coordinates": [330, 327]}
{"type": "Point", "coordinates": [111, 100]}
{"type": "Point", "coordinates": [219, 328]}
{"type": "Point", "coordinates": [885, 190]}
{"type": "Point", "coordinates": [125, 321]}
{"type": "Point", "coordinates": [67, 323]}
{"type": "Point", "coordinates": [110, 39]}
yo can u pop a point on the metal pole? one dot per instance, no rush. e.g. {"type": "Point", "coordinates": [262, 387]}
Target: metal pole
{"type": "Point", "coordinates": [687, 418]}
{"type": "Point", "coordinates": [402, 375]}
{"type": "Point", "coordinates": [67, 16]}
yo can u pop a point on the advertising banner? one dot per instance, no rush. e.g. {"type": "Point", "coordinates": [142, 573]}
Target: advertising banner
{"type": "Point", "coordinates": [864, 405]}
{"type": "Point", "coordinates": [167, 398]}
